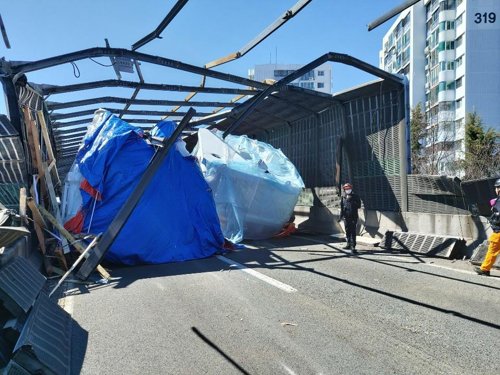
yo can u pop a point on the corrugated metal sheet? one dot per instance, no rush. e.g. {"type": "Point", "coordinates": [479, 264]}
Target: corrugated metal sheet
{"type": "Point", "coordinates": [9, 195]}
{"type": "Point", "coordinates": [430, 245]}
{"type": "Point", "coordinates": [44, 345]}
{"type": "Point", "coordinates": [368, 119]}
{"type": "Point", "coordinates": [478, 193]}
{"type": "Point", "coordinates": [12, 161]}
{"type": "Point", "coordinates": [9, 234]}
{"type": "Point", "coordinates": [281, 108]}
{"type": "Point", "coordinates": [20, 283]}
{"type": "Point", "coordinates": [436, 194]}
{"type": "Point", "coordinates": [434, 185]}
{"type": "Point", "coordinates": [14, 369]}
{"type": "Point", "coordinates": [30, 98]}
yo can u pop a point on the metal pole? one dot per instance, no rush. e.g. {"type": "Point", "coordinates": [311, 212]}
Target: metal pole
{"type": "Point", "coordinates": [82, 255]}
{"type": "Point", "coordinates": [403, 145]}
{"type": "Point", "coordinates": [393, 12]}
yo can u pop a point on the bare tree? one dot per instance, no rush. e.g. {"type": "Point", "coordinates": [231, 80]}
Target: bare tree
{"type": "Point", "coordinates": [417, 126]}
{"type": "Point", "coordinates": [430, 145]}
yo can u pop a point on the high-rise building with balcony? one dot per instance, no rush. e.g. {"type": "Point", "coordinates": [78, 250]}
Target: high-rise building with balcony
{"type": "Point", "coordinates": [450, 52]}
{"type": "Point", "coordinates": [319, 79]}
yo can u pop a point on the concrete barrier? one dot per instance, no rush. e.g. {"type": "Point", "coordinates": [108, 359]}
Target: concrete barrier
{"type": "Point", "coordinates": [373, 224]}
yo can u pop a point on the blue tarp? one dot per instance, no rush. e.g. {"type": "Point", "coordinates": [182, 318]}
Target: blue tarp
{"type": "Point", "coordinates": [175, 220]}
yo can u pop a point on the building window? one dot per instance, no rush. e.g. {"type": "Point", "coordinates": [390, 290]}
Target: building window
{"type": "Point", "coordinates": [459, 20]}
{"type": "Point", "coordinates": [447, 106]}
{"type": "Point", "coordinates": [459, 61]}
{"type": "Point", "coordinates": [460, 103]}
{"type": "Point", "coordinates": [447, 5]}
{"type": "Point", "coordinates": [308, 76]}
{"type": "Point", "coordinates": [321, 73]}
{"type": "Point", "coordinates": [450, 86]}
{"type": "Point", "coordinates": [321, 85]}
{"type": "Point", "coordinates": [282, 73]}
{"type": "Point", "coordinates": [406, 55]}
{"type": "Point", "coordinates": [459, 82]}
{"type": "Point", "coordinates": [307, 85]}
{"type": "Point", "coordinates": [446, 46]}
{"type": "Point", "coordinates": [446, 25]}
{"type": "Point", "coordinates": [460, 40]}
{"type": "Point", "coordinates": [406, 39]}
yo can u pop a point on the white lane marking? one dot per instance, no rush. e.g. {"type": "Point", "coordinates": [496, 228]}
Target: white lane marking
{"type": "Point", "coordinates": [405, 259]}
{"type": "Point", "coordinates": [288, 369]}
{"type": "Point", "coordinates": [461, 271]}
{"type": "Point", "coordinates": [258, 275]}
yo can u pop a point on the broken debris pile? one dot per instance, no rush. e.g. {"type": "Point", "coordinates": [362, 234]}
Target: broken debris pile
{"type": "Point", "coordinates": [175, 220]}
{"type": "Point", "coordinates": [255, 186]}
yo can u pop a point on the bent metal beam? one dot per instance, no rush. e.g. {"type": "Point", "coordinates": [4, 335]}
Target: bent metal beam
{"type": "Point", "coordinates": [330, 56]}
{"type": "Point", "coordinates": [19, 68]}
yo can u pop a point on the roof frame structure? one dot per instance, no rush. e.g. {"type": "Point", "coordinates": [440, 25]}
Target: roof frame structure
{"type": "Point", "coordinates": [23, 67]}
{"type": "Point", "coordinates": [117, 100]}
{"type": "Point", "coordinates": [75, 122]}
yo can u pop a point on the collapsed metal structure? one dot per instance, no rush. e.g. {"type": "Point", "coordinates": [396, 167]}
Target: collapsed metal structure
{"type": "Point", "coordinates": [268, 107]}
{"type": "Point", "coordinates": [360, 134]}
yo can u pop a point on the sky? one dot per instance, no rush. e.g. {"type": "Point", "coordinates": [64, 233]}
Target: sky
{"type": "Point", "coordinates": [203, 31]}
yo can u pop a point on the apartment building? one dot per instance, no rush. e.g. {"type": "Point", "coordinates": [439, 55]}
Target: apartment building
{"type": "Point", "coordinates": [450, 52]}
{"type": "Point", "coordinates": [319, 79]}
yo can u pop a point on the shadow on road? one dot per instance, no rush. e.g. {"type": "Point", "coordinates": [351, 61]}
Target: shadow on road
{"type": "Point", "coordinates": [266, 257]}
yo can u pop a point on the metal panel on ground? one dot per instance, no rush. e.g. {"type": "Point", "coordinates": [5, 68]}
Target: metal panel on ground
{"type": "Point", "coordinates": [44, 346]}
{"type": "Point", "coordinates": [14, 369]}
{"type": "Point", "coordinates": [20, 283]}
{"type": "Point", "coordinates": [427, 244]}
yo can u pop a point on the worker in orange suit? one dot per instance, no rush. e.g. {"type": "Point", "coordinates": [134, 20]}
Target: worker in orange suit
{"type": "Point", "coordinates": [494, 240]}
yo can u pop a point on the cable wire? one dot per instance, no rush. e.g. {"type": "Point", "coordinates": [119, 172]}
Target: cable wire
{"type": "Point", "coordinates": [101, 64]}
{"type": "Point", "coordinates": [75, 70]}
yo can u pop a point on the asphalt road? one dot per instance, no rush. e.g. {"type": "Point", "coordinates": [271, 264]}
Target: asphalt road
{"type": "Point", "coordinates": [292, 306]}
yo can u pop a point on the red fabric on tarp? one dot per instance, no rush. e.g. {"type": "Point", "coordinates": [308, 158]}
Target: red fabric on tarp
{"type": "Point", "coordinates": [75, 224]}
{"type": "Point", "coordinates": [287, 230]}
{"type": "Point", "coordinates": [85, 186]}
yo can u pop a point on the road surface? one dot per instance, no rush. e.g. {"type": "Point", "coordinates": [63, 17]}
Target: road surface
{"type": "Point", "coordinates": [300, 305]}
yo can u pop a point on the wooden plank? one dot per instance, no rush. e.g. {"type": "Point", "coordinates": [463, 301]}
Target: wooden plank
{"type": "Point", "coordinates": [54, 203]}
{"type": "Point", "coordinates": [45, 134]}
{"type": "Point", "coordinates": [22, 205]}
{"type": "Point", "coordinates": [60, 257]}
{"type": "Point", "coordinates": [39, 224]}
{"type": "Point", "coordinates": [78, 246]}
{"type": "Point", "coordinates": [29, 134]}
{"type": "Point", "coordinates": [48, 143]}
{"type": "Point", "coordinates": [34, 145]}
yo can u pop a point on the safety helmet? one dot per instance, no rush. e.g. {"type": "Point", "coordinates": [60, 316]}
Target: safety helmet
{"type": "Point", "coordinates": [347, 186]}
{"type": "Point", "coordinates": [497, 182]}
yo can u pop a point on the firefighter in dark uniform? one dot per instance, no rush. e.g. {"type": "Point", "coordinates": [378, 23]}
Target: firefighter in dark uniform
{"type": "Point", "coordinates": [349, 205]}
{"type": "Point", "coordinates": [494, 240]}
